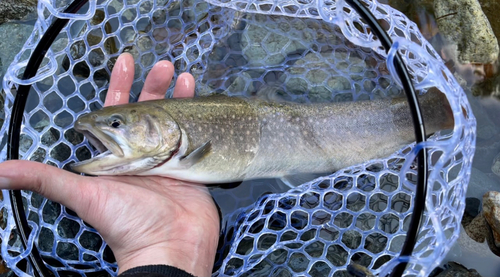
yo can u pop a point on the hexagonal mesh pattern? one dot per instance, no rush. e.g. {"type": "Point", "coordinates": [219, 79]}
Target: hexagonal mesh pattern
{"type": "Point", "coordinates": [300, 50]}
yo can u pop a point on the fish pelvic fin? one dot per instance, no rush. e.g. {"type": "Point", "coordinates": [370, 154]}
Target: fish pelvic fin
{"type": "Point", "coordinates": [195, 156]}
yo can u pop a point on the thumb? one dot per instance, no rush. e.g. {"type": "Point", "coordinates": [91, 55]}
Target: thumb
{"type": "Point", "coordinates": [51, 182]}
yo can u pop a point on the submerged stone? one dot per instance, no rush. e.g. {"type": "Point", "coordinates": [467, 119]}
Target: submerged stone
{"type": "Point", "coordinates": [16, 9]}
{"type": "Point", "coordinates": [462, 22]}
{"type": "Point", "coordinates": [453, 269]}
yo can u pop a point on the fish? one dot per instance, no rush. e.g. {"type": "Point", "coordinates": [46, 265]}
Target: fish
{"type": "Point", "coordinates": [222, 139]}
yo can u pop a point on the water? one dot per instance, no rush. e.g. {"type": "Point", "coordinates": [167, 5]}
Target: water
{"type": "Point", "coordinates": [486, 108]}
{"type": "Point", "coordinates": [482, 83]}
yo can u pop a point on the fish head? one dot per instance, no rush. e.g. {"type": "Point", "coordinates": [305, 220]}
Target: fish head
{"type": "Point", "coordinates": [132, 138]}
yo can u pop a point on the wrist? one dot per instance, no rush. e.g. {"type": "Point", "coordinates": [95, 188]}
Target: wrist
{"type": "Point", "coordinates": [191, 253]}
{"type": "Point", "coordinates": [155, 270]}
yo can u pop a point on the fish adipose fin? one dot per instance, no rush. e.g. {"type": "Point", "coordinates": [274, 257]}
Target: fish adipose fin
{"type": "Point", "coordinates": [195, 156]}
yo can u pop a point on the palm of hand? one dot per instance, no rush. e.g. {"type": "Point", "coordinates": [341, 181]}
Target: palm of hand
{"type": "Point", "coordinates": [160, 212]}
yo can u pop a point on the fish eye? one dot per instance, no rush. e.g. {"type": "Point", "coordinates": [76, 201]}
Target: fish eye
{"type": "Point", "coordinates": [115, 123]}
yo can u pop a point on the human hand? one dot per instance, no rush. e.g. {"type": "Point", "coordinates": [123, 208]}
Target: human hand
{"type": "Point", "coordinates": [145, 220]}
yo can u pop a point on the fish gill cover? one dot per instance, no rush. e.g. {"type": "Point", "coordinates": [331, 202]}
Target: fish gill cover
{"type": "Point", "coordinates": [308, 51]}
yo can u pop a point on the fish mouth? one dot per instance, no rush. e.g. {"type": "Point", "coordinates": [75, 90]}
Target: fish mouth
{"type": "Point", "coordinates": [104, 143]}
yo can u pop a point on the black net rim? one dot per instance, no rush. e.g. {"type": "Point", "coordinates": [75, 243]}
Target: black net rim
{"type": "Point", "coordinates": [39, 268]}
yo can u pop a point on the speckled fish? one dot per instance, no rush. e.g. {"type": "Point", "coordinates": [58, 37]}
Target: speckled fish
{"type": "Point", "coordinates": [218, 139]}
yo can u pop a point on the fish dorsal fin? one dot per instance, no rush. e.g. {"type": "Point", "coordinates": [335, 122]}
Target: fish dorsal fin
{"type": "Point", "coordinates": [192, 158]}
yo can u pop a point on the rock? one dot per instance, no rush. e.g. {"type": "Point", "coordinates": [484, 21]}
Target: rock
{"type": "Point", "coordinates": [268, 40]}
{"type": "Point", "coordinates": [495, 168]}
{"type": "Point", "coordinates": [16, 9]}
{"type": "Point", "coordinates": [314, 75]}
{"type": "Point", "coordinates": [417, 11]}
{"type": "Point", "coordinates": [242, 84]}
{"type": "Point", "coordinates": [477, 229]}
{"type": "Point", "coordinates": [97, 56]}
{"type": "Point", "coordinates": [496, 241]}
{"type": "Point", "coordinates": [491, 212]}
{"type": "Point", "coordinates": [472, 209]}
{"type": "Point", "coordinates": [25, 142]}
{"type": "Point", "coordinates": [262, 47]}
{"type": "Point", "coordinates": [4, 270]}
{"type": "Point", "coordinates": [12, 37]}
{"type": "Point", "coordinates": [453, 269]}
{"type": "Point", "coordinates": [462, 22]}
{"type": "Point", "coordinates": [490, 9]}
{"type": "Point", "coordinates": [359, 270]}
{"type": "Point", "coordinates": [491, 209]}
{"type": "Point", "coordinates": [472, 206]}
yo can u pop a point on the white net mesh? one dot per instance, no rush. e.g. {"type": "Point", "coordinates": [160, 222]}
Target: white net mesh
{"type": "Point", "coordinates": [308, 51]}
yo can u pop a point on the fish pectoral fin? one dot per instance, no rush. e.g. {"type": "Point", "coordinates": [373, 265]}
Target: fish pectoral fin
{"type": "Point", "coordinates": [195, 156]}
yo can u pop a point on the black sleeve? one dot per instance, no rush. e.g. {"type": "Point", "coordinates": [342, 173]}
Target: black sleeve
{"type": "Point", "coordinates": [155, 271]}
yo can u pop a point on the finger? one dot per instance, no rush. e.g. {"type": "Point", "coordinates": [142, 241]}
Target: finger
{"type": "Point", "coordinates": [158, 81]}
{"type": "Point", "coordinates": [184, 87]}
{"type": "Point", "coordinates": [121, 80]}
{"type": "Point", "coordinates": [51, 182]}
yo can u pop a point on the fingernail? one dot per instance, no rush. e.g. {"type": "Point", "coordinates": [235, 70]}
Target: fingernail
{"type": "Point", "coordinates": [4, 183]}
